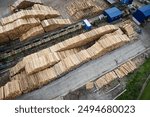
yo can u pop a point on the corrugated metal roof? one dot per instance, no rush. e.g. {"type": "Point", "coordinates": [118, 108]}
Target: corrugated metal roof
{"type": "Point", "coordinates": [145, 10]}
{"type": "Point", "coordinates": [113, 12]}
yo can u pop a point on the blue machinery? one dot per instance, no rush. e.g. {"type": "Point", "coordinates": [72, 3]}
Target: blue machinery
{"type": "Point", "coordinates": [112, 14]}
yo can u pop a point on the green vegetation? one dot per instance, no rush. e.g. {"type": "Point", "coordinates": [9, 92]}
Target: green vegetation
{"type": "Point", "coordinates": [136, 81]}
{"type": "Point", "coordinates": [146, 92]}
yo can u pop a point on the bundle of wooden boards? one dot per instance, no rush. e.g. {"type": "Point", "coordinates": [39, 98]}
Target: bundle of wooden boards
{"type": "Point", "coordinates": [83, 38]}
{"type": "Point", "coordinates": [128, 29]}
{"type": "Point", "coordinates": [120, 72]}
{"type": "Point", "coordinates": [23, 4]}
{"type": "Point", "coordinates": [41, 14]}
{"type": "Point", "coordinates": [45, 66]}
{"type": "Point", "coordinates": [13, 30]}
{"type": "Point", "coordinates": [62, 49]}
{"type": "Point", "coordinates": [32, 32]}
{"type": "Point", "coordinates": [52, 24]}
{"type": "Point", "coordinates": [26, 24]}
{"type": "Point", "coordinates": [80, 9]}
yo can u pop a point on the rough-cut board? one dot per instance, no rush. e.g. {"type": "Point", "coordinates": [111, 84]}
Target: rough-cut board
{"type": "Point", "coordinates": [23, 4]}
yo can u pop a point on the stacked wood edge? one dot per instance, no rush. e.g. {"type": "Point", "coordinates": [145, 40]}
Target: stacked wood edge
{"type": "Point", "coordinates": [28, 23]}
{"type": "Point", "coordinates": [120, 72]}
{"type": "Point", "coordinates": [45, 66]}
{"type": "Point", "coordinates": [79, 9]}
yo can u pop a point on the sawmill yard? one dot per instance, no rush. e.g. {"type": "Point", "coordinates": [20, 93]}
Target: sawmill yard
{"type": "Point", "coordinates": [49, 51]}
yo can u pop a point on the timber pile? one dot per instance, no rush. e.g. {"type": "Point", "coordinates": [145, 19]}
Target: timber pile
{"type": "Point", "coordinates": [23, 4]}
{"type": "Point", "coordinates": [52, 24]}
{"type": "Point", "coordinates": [47, 65]}
{"type": "Point", "coordinates": [32, 32]}
{"type": "Point", "coordinates": [120, 72]}
{"type": "Point", "coordinates": [41, 14]}
{"type": "Point", "coordinates": [20, 26]}
{"type": "Point", "coordinates": [80, 9]}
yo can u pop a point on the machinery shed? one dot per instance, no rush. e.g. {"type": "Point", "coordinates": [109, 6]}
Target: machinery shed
{"type": "Point", "coordinates": [113, 14]}
{"type": "Point", "coordinates": [142, 13]}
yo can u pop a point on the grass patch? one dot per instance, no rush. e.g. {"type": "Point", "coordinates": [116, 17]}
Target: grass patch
{"type": "Point", "coordinates": [136, 81]}
{"type": "Point", "coordinates": [146, 93]}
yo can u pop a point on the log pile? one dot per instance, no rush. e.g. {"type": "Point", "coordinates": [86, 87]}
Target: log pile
{"type": "Point", "coordinates": [47, 65]}
{"type": "Point", "coordinates": [23, 4]}
{"type": "Point", "coordinates": [52, 24]}
{"type": "Point", "coordinates": [41, 14]}
{"type": "Point", "coordinates": [32, 33]}
{"type": "Point", "coordinates": [120, 72]}
{"type": "Point", "coordinates": [80, 9]}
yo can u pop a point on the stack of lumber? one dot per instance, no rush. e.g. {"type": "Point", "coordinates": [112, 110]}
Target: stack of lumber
{"type": "Point", "coordinates": [89, 85]}
{"type": "Point", "coordinates": [41, 7]}
{"type": "Point", "coordinates": [52, 13]}
{"type": "Point", "coordinates": [41, 14]}
{"type": "Point", "coordinates": [120, 72]}
{"type": "Point", "coordinates": [52, 24]}
{"type": "Point", "coordinates": [3, 37]}
{"type": "Point", "coordinates": [20, 26]}
{"type": "Point", "coordinates": [84, 38]}
{"type": "Point", "coordinates": [101, 82]}
{"type": "Point", "coordinates": [113, 42]}
{"type": "Point", "coordinates": [80, 9]}
{"type": "Point", "coordinates": [23, 4]}
{"type": "Point", "coordinates": [64, 54]}
{"type": "Point", "coordinates": [17, 68]}
{"type": "Point", "coordinates": [125, 69]}
{"type": "Point", "coordinates": [43, 67]}
{"type": "Point", "coordinates": [38, 62]}
{"type": "Point", "coordinates": [12, 89]}
{"type": "Point", "coordinates": [46, 76]}
{"type": "Point", "coordinates": [77, 5]}
{"type": "Point", "coordinates": [32, 33]}
{"type": "Point", "coordinates": [128, 29]}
